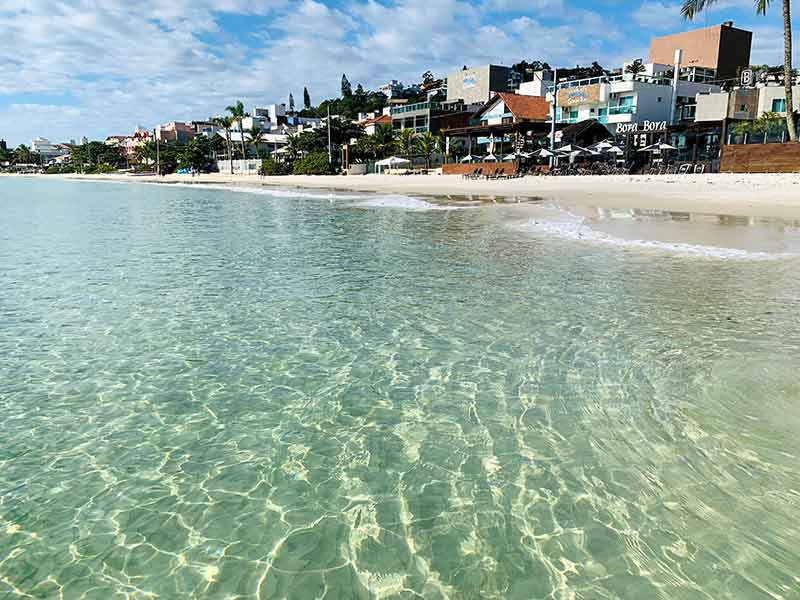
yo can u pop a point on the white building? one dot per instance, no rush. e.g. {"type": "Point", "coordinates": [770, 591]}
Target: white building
{"type": "Point", "coordinates": [46, 148]}
{"type": "Point", "coordinates": [392, 89]}
{"type": "Point", "coordinates": [541, 84]}
{"type": "Point", "coordinates": [619, 100]}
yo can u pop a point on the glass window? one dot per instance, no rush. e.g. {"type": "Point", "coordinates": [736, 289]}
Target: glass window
{"type": "Point", "coordinates": [603, 111]}
{"type": "Point", "coordinates": [779, 105]}
{"type": "Point", "coordinates": [626, 101]}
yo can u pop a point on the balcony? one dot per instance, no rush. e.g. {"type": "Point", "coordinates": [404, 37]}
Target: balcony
{"type": "Point", "coordinates": [622, 110]}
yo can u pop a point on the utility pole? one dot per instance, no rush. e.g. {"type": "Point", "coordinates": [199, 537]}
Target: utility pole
{"type": "Point", "coordinates": [158, 153]}
{"type": "Point", "coordinates": [330, 147]}
{"type": "Point", "coordinates": [675, 77]}
{"type": "Point", "coordinates": [553, 124]}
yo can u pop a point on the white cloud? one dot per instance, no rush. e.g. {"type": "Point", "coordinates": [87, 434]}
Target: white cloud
{"type": "Point", "coordinates": [658, 16]}
{"type": "Point", "coordinates": [125, 63]}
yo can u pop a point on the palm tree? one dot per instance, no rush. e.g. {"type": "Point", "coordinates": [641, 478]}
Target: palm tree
{"type": "Point", "coordinates": [384, 141]}
{"type": "Point", "coordinates": [426, 144]}
{"type": "Point", "coordinates": [692, 7]}
{"type": "Point", "coordinates": [405, 140]}
{"type": "Point", "coordinates": [238, 113]}
{"type": "Point", "coordinates": [256, 134]}
{"type": "Point", "coordinates": [225, 124]}
{"type": "Point", "coordinates": [293, 145]}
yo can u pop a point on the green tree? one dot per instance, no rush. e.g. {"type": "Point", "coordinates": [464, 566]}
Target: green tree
{"type": "Point", "coordinates": [426, 145]}
{"type": "Point", "coordinates": [406, 142]}
{"type": "Point", "coordinates": [347, 89]}
{"type": "Point", "coordinates": [256, 134]}
{"type": "Point", "coordinates": [635, 68]}
{"type": "Point", "coordinates": [384, 141]}
{"type": "Point", "coordinates": [691, 8]}
{"type": "Point", "coordinates": [196, 153]}
{"type": "Point", "coordinates": [314, 164]}
{"type": "Point", "coordinates": [225, 124]}
{"type": "Point", "coordinates": [23, 155]}
{"type": "Point", "coordinates": [238, 114]}
{"type": "Point", "coordinates": [306, 99]}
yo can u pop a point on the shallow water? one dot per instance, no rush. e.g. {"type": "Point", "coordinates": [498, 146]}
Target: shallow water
{"type": "Point", "coordinates": [216, 394]}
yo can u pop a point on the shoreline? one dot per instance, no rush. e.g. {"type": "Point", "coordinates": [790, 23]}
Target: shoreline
{"type": "Point", "coordinates": [744, 195]}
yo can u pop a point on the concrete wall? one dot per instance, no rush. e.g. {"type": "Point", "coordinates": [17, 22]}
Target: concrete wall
{"type": "Point", "coordinates": [726, 49]}
{"type": "Point", "coordinates": [768, 94]}
{"type": "Point", "coordinates": [476, 85]}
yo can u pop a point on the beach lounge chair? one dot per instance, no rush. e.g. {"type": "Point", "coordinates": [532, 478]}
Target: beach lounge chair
{"type": "Point", "coordinates": [699, 169]}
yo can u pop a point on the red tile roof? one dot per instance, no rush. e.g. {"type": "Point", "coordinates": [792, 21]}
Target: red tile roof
{"type": "Point", "coordinates": [382, 120]}
{"type": "Point", "coordinates": [525, 108]}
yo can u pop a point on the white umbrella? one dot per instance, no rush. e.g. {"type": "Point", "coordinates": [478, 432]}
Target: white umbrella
{"type": "Point", "coordinates": [570, 148]}
{"type": "Point", "coordinates": [657, 148]}
{"type": "Point", "coordinates": [604, 145]}
{"type": "Point", "coordinates": [490, 158]}
{"type": "Point", "coordinates": [615, 150]}
{"type": "Point", "coordinates": [468, 158]}
{"type": "Point", "coordinates": [511, 157]}
{"type": "Point", "coordinates": [543, 153]}
{"type": "Point", "coordinates": [393, 161]}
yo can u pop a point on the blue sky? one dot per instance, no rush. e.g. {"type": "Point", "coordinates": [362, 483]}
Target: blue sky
{"type": "Point", "coordinates": [79, 67]}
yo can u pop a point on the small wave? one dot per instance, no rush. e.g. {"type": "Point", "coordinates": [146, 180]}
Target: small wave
{"type": "Point", "coordinates": [402, 202]}
{"type": "Point", "coordinates": [575, 228]}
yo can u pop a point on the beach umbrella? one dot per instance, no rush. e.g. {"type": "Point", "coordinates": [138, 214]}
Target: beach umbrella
{"type": "Point", "coordinates": [468, 158]}
{"type": "Point", "coordinates": [615, 150]}
{"type": "Point", "coordinates": [657, 148]}
{"type": "Point", "coordinates": [543, 153]}
{"type": "Point", "coordinates": [570, 148]}
{"type": "Point", "coordinates": [511, 157]}
{"type": "Point", "coordinates": [393, 161]}
{"type": "Point", "coordinates": [490, 158]}
{"type": "Point", "coordinates": [600, 146]}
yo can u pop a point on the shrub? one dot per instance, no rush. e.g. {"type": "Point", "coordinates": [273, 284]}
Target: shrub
{"type": "Point", "coordinates": [314, 164]}
{"type": "Point", "coordinates": [270, 167]}
{"type": "Point", "coordinates": [100, 169]}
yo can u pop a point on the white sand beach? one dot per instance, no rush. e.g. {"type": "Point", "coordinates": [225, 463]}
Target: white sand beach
{"type": "Point", "coordinates": [751, 195]}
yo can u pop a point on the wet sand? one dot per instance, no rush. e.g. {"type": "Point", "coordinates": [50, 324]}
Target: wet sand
{"type": "Point", "coordinates": [748, 195]}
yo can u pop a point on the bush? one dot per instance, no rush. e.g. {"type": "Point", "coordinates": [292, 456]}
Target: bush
{"type": "Point", "coordinates": [270, 167]}
{"type": "Point", "coordinates": [100, 169]}
{"type": "Point", "coordinates": [60, 169]}
{"type": "Point", "coordinates": [314, 164]}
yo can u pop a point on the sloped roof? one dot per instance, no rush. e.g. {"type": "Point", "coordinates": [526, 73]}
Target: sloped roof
{"type": "Point", "coordinates": [382, 120]}
{"type": "Point", "coordinates": [524, 108]}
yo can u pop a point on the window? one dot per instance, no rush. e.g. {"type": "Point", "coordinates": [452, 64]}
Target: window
{"type": "Point", "coordinates": [659, 98]}
{"type": "Point", "coordinates": [779, 105]}
{"type": "Point", "coordinates": [743, 108]}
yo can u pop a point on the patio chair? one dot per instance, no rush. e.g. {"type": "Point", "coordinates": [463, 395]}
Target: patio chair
{"type": "Point", "coordinates": [684, 168]}
{"type": "Point", "coordinates": [699, 169]}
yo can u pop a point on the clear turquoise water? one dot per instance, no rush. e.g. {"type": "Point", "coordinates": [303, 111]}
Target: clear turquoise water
{"type": "Point", "coordinates": [222, 395]}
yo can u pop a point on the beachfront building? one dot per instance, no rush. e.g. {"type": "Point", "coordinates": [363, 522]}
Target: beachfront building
{"type": "Point", "coordinates": [718, 52]}
{"type": "Point", "coordinates": [506, 123]}
{"type": "Point", "coordinates": [540, 85]}
{"type": "Point", "coordinates": [429, 116]}
{"type": "Point", "coordinates": [175, 131]}
{"type": "Point", "coordinates": [46, 149]}
{"type": "Point", "coordinates": [627, 102]}
{"type": "Point", "coordinates": [477, 85]}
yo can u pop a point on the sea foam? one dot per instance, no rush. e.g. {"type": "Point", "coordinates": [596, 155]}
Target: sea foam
{"type": "Point", "coordinates": [573, 227]}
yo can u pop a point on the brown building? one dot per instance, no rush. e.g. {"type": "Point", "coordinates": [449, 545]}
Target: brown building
{"type": "Point", "coordinates": [721, 47]}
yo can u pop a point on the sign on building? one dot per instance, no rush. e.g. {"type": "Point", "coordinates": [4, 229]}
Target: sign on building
{"type": "Point", "coordinates": [643, 127]}
{"type": "Point", "coordinates": [585, 94]}
{"type": "Point", "coordinates": [748, 78]}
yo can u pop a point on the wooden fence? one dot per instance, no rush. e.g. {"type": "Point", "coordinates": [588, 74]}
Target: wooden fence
{"type": "Point", "coordinates": [509, 168]}
{"type": "Point", "coordinates": [760, 158]}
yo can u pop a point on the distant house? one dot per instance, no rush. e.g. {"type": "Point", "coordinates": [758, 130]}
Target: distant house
{"type": "Point", "coordinates": [175, 131]}
{"type": "Point", "coordinates": [371, 125]}
{"type": "Point", "coordinates": [507, 109]}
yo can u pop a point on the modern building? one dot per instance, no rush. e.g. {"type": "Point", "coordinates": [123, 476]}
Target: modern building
{"type": "Point", "coordinates": [737, 105]}
{"type": "Point", "coordinates": [627, 102]}
{"type": "Point", "coordinates": [723, 48]}
{"type": "Point", "coordinates": [175, 131]}
{"type": "Point", "coordinates": [539, 86]}
{"type": "Point", "coordinates": [476, 86]}
{"type": "Point", "coordinates": [45, 148]}
{"type": "Point", "coordinates": [3, 146]}
{"type": "Point", "coordinates": [428, 116]}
